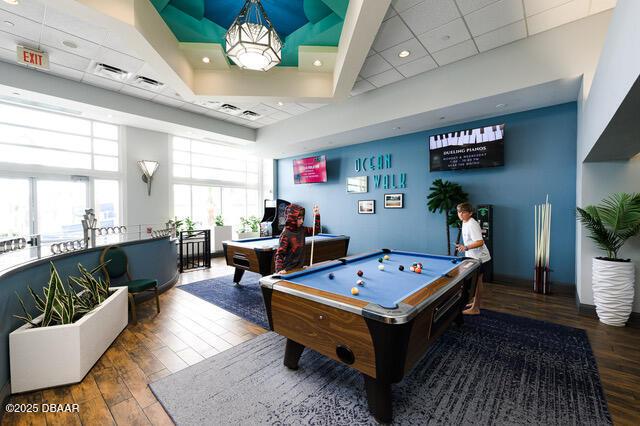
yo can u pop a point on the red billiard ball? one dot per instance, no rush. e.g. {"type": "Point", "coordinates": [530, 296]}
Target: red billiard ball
{"type": "Point", "coordinates": [360, 273]}
{"type": "Point", "coordinates": [418, 270]}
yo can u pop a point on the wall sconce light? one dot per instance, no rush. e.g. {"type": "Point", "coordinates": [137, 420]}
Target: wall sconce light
{"type": "Point", "coordinates": [148, 169]}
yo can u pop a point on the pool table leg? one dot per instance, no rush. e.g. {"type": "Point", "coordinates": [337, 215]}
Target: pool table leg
{"type": "Point", "coordinates": [292, 354]}
{"type": "Point", "coordinates": [379, 397]}
{"type": "Point", "coordinates": [237, 275]}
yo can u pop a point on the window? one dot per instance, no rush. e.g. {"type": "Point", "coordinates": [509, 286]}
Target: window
{"type": "Point", "coordinates": [212, 179]}
{"type": "Point", "coordinates": [107, 202]}
{"type": "Point", "coordinates": [14, 209]}
{"type": "Point", "coordinates": [60, 206]}
{"type": "Point", "coordinates": [29, 136]}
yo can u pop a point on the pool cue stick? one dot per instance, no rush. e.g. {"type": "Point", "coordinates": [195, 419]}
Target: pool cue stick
{"type": "Point", "coordinates": [313, 239]}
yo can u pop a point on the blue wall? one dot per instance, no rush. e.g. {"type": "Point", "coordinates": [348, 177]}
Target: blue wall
{"type": "Point", "coordinates": [540, 159]}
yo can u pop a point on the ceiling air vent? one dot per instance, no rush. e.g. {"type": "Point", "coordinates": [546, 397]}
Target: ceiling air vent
{"type": "Point", "coordinates": [111, 72]}
{"type": "Point", "coordinates": [250, 115]}
{"type": "Point", "coordinates": [148, 83]}
{"type": "Point", "coordinates": [230, 109]}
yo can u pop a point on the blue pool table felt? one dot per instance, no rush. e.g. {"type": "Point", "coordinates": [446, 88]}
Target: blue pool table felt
{"type": "Point", "coordinates": [386, 288]}
{"type": "Point", "coordinates": [265, 243]}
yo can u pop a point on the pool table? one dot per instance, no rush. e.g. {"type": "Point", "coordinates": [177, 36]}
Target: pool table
{"type": "Point", "coordinates": [385, 329]}
{"type": "Point", "coordinates": [257, 254]}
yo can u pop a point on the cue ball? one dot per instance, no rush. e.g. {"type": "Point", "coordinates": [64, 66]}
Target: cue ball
{"type": "Point", "coordinates": [454, 261]}
{"type": "Point", "coordinates": [355, 291]}
{"type": "Point", "coordinates": [401, 268]}
{"type": "Point", "coordinates": [381, 267]}
{"type": "Point", "coordinates": [360, 282]}
{"type": "Point", "coordinates": [380, 259]}
{"type": "Point", "coordinates": [331, 276]}
{"type": "Point", "coordinates": [418, 270]}
{"type": "Point", "coordinates": [360, 273]}
{"type": "Point", "coordinates": [412, 269]}
{"type": "Point", "coordinates": [386, 257]}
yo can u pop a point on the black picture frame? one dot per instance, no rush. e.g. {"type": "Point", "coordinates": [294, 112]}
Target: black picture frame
{"type": "Point", "coordinates": [394, 201]}
{"type": "Point", "coordinates": [366, 206]}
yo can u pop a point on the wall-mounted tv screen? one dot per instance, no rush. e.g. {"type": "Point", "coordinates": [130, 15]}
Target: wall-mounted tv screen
{"type": "Point", "coordinates": [310, 169]}
{"type": "Point", "coordinates": [467, 149]}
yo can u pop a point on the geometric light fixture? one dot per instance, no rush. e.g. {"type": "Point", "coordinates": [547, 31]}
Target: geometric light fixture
{"type": "Point", "coordinates": [148, 169]}
{"type": "Point", "coordinates": [251, 41]}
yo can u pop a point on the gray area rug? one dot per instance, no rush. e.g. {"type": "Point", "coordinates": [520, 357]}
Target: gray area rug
{"type": "Point", "coordinates": [497, 369]}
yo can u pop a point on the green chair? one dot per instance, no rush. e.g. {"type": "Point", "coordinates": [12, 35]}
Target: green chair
{"type": "Point", "coordinates": [115, 266]}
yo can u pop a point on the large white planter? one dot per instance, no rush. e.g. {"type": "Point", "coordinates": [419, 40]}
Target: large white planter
{"type": "Point", "coordinates": [63, 354]}
{"type": "Point", "coordinates": [220, 234]}
{"type": "Point", "coordinates": [613, 287]}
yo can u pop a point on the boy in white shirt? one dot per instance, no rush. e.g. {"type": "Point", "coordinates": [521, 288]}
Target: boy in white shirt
{"type": "Point", "coordinates": [473, 247]}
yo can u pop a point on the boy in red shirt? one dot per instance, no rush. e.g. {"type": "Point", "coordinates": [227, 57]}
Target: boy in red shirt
{"type": "Point", "coordinates": [290, 253]}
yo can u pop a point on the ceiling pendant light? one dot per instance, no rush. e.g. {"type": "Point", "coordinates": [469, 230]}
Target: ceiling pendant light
{"type": "Point", "coordinates": [251, 41]}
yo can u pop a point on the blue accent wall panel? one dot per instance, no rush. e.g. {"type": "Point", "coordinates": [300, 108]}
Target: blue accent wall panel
{"type": "Point", "coordinates": [540, 159]}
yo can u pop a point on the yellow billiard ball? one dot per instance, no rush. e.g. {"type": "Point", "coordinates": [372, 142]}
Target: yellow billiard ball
{"type": "Point", "coordinates": [355, 291]}
{"type": "Point", "coordinates": [386, 257]}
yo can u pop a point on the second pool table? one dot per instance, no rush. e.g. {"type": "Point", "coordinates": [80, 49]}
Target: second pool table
{"type": "Point", "coordinates": [385, 329]}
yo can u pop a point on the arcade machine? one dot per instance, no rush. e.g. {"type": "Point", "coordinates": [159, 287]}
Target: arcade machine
{"type": "Point", "coordinates": [484, 216]}
{"type": "Point", "coordinates": [274, 218]}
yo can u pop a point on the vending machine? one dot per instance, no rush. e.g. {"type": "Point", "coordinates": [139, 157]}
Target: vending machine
{"type": "Point", "coordinates": [484, 216]}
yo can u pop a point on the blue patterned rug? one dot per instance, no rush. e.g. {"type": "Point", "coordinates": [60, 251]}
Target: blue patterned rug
{"type": "Point", "coordinates": [497, 369]}
{"type": "Point", "coordinates": [244, 301]}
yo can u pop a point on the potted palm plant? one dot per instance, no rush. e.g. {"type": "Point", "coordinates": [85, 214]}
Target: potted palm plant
{"type": "Point", "coordinates": [249, 227]}
{"type": "Point", "coordinates": [220, 233]}
{"type": "Point", "coordinates": [443, 198]}
{"type": "Point", "coordinates": [610, 224]}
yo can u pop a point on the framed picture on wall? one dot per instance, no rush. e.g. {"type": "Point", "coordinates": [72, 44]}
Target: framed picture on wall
{"type": "Point", "coordinates": [357, 184]}
{"type": "Point", "coordinates": [366, 206]}
{"type": "Point", "coordinates": [393, 201]}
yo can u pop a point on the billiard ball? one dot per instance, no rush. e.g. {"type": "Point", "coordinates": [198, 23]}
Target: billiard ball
{"type": "Point", "coordinates": [381, 267]}
{"type": "Point", "coordinates": [355, 291]}
{"type": "Point", "coordinates": [454, 260]}
{"type": "Point", "coordinates": [419, 265]}
{"type": "Point", "coordinates": [360, 273]}
{"type": "Point", "coordinates": [360, 282]}
{"type": "Point", "coordinates": [331, 275]}
{"type": "Point", "coordinates": [380, 259]}
{"type": "Point", "coordinates": [386, 257]}
{"type": "Point", "coordinates": [412, 268]}
{"type": "Point", "coordinates": [401, 268]}
{"type": "Point", "coordinates": [418, 270]}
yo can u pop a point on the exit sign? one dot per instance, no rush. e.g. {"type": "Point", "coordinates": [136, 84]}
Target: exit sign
{"type": "Point", "coordinates": [33, 58]}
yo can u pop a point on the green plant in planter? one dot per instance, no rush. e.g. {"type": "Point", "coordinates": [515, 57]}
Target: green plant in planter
{"type": "Point", "coordinates": [443, 198]}
{"type": "Point", "coordinates": [190, 224]}
{"type": "Point", "coordinates": [612, 222]}
{"type": "Point", "coordinates": [219, 221]}
{"type": "Point", "coordinates": [250, 224]}
{"type": "Point", "coordinates": [62, 305]}
{"type": "Point", "coordinates": [177, 223]}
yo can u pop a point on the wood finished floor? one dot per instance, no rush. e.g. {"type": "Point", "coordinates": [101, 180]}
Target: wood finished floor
{"type": "Point", "coordinates": [189, 330]}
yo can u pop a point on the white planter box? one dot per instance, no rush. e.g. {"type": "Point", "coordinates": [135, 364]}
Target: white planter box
{"type": "Point", "coordinates": [245, 235]}
{"type": "Point", "coordinates": [62, 354]}
{"type": "Point", "coordinates": [220, 234]}
{"type": "Point", "coordinates": [613, 288]}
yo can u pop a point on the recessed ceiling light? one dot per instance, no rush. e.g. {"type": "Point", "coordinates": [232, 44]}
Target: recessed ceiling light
{"type": "Point", "coordinates": [442, 118]}
{"type": "Point", "coordinates": [70, 44]}
{"type": "Point", "coordinates": [206, 59]}
{"type": "Point", "coordinates": [8, 23]}
{"type": "Point", "coordinates": [404, 54]}
{"type": "Point", "coordinates": [500, 106]}
{"type": "Point", "coordinates": [317, 63]}
{"type": "Point", "coordinates": [445, 37]}
{"type": "Point", "coordinates": [14, 2]}
{"type": "Point", "coordinates": [280, 103]}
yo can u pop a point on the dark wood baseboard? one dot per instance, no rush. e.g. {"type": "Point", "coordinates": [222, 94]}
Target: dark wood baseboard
{"type": "Point", "coordinates": [567, 289]}
{"type": "Point", "coordinates": [590, 311]}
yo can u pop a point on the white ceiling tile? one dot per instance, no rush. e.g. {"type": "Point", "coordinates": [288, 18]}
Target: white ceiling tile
{"type": "Point", "coordinates": [374, 65]}
{"type": "Point", "coordinates": [391, 32]}
{"type": "Point", "coordinates": [417, 67]}
{"type": "Point", "coordinates": [65, 72]}
{"type": "Point", "coordinates": [7, 55]}
{"type": "Point", "coordinates": [401, 5]}
{"type": "Point", "coordinates": [280, 115]}
{"type": "Point", "coordinates": [168, 91]}
{"type": "Point", "coordinates": [290, 108]}
{"type": "Point", "coordinates": [149, 72]}
{"type": "Point", "coordinates": [217, 114]}
{"type": "Point", "coordinates": [137, 92]}
{"type": "Point", "coordinates": [455, 53]}
{"type": "Point", "coordinates": [468, 6]}
{"type": "Point", "coordinates": [120, 60]}
{"type": "Point", "coordinates": [105, 83]}
{"type": "Point", "coordinates": [264, 109]}
{"type": "Point", "coordinates": [361, 87]}
{"type": "Point", "coordinates": [413, 46]}
{"type": "Point", "coordinates": [22, 27]}
{"type": "Point", "coordinates": [195, 108]}
{"type": "Point", "coordinates": [117, 41]}
{"type": "Point", "coordinates": [390, 13]}
{"type": "Point", "coordinates": [533, 7]}
{"type": "Point", "coordinates": [310, 105]}
{"type": "Point", "coordinates": [552, 18]}
{"type": "Point", "coordinates": [494, 16]}
{"type": "Point", "coordinates": [29, 9]}
{"type": "Point", "coordinates": [501, 36]}
{"type": "Point", "coordinates": [254, 124]}
{"type": "Point", "coordinates": [430, 14]}
{"type": "Point", "coordinates": [54, 38]}
{"type": "Point", "coordinates": [386, 77]}
{"type": "Point", "coordinates": [448, 35]}
{"type": "Point", "coordinates": [11, 41]}
{"type": "Point", "coordinates": [267, 120]}
{"type": "Point", "coordinates": [68, 60]}
{"type": "Point", "coordinates": [598, 6]}
{"type": "Point", "coordinates": [165, 100]}
{"type": "Point", "coordinates": [72, 25]}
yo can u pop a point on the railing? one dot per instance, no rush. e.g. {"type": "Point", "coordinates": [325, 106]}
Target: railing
{"type": "Point", "coordinates": [195, 249]}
